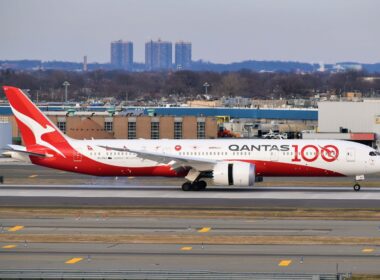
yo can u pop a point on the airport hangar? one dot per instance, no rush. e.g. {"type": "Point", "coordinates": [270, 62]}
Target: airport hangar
{"type": "Point", "coordinates": [349, 120]}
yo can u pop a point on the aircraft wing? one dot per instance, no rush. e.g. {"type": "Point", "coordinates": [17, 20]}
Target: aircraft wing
{"type": "Point", "coordinates": [174, 160]}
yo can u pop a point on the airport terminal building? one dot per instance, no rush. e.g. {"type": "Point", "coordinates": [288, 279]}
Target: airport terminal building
{"type": "Point", "coordinates": [347, 120]}
{"type": "Point", "coordinates": [159, 122]}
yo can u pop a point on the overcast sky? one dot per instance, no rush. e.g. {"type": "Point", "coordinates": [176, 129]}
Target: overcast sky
{"type": "Point", "coordinates": [221, 30]}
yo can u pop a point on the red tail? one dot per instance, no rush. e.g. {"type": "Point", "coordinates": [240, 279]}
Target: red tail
{"type": "Point", "coordinates": [37, 130]}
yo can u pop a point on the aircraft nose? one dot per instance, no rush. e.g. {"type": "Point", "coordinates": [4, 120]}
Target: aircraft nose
{"type": "Point", "coordinates": [373, 164]}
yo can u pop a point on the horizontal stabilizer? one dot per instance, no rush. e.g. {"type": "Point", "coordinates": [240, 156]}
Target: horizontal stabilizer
{"type": "Point", "coordinates": [22, 150]}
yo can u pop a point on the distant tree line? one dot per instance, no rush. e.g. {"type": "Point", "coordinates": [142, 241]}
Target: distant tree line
{"type": "Point", "coordinates": [199, 65]}
{"type": "Point", "coordinates": [186, 84]}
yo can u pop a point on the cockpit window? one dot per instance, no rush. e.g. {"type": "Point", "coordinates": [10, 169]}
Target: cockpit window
{"type": "Point", "coordinates": [374, 153]}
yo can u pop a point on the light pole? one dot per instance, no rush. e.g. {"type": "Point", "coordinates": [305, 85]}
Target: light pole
{"type": "Point", "coordinates": [66, 84]}
{"type": "Point", "coordinates": [206, 85]}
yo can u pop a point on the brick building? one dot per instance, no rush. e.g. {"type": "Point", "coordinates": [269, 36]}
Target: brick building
{"type": "Point", "coordinates": [103, 126]}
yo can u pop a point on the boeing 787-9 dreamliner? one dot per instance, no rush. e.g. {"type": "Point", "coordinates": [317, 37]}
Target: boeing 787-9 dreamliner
{"type": "Point", "coordinates": [223, 162]}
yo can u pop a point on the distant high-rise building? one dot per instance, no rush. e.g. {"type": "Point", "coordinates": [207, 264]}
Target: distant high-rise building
{"type": "Point", "coordinates": [158, 55]}
{"type": "Point", "coordinates": [122, 54]}
{"type": "Point", "coordinates": [85, 66]}
{"type": "Point", "coordinates": [182, 55]}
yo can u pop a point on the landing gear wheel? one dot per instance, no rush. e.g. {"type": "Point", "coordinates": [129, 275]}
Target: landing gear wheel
{"type": "Point", "coordinates": [196, 186]}
{"type": "Point", "coordinates": [187, 187]}
{"type": "Point", "coordinates": [199, 186]}
{"type": "Point", "coordinates": [356, 187]}
{"type": "Point", "coordinates": [202, 185]}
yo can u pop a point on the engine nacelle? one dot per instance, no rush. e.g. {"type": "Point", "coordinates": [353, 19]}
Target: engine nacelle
{"type": "Point", "coordinates": [234, 174]}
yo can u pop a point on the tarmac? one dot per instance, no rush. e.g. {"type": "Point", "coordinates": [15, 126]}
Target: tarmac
{"type": "Point", "coordinates": [174, 197]}
{"type": "Point", "coordinates": [38, 239]}
{"type": "Point", "coordinates": [192, 256]}
{"type": "Point", "coordinates": [30, 185]}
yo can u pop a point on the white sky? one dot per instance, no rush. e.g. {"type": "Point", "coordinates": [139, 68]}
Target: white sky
{"type": "Point", "coordinates": [221, 31]}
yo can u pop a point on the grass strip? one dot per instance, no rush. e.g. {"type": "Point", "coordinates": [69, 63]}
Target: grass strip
{"type": "Point", "coordinates": [244, 213]}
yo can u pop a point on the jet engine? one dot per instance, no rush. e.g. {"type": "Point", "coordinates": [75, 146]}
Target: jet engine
{"type": "Point", "coordinates": [234, 174]}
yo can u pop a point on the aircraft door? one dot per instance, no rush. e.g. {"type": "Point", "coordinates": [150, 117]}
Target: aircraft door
{"type": "Point", "coordinates": [274, 155]}
{"type": "Point", "coordinates": [166, 150]}
{"type": "Point", "coordinates": [350, 154]}
{"type": "Point", "coordinates": [77, 156]}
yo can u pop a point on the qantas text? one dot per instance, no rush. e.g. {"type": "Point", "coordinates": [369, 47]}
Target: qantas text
{"type": "Point", "coordinates": [309, 153]}
{"type": "Point", "coordinates": [282, 148]}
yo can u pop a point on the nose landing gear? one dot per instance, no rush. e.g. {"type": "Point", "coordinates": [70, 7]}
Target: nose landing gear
{"type": "Point", "coordinates": [357, 179]}
{"type": "Point", "coordinates": [356, 187]}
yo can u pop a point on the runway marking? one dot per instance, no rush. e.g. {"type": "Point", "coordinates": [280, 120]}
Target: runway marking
{"type": "Point", "coordinates": [73, 260]}
{"type": "Point", "coordinates": [187, 248]}
{"type": "Point", "coordinates": [15, 228]}
{"type": "Point", "coordinates": [367, 250]}
{"type": "Point", "coordinates": [284, 262]}
{"type": "Point", "coordinates": [205, 229]}
{"type": "Point", "coordinates": [33, 176]}
{"type": "Point", "coordinates": [9, 246]}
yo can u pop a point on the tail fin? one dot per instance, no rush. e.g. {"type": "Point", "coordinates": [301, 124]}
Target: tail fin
{"type": "Point", "coordinates": [35, 127]}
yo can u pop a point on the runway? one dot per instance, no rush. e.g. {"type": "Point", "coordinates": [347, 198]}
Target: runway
{"type": "Point", "coordinates": [171, 196]}
{"type": "Point", "coordinates": [30, 185]}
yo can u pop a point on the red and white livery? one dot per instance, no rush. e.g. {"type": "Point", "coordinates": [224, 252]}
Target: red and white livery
{"type": "Point", "coordinates": [232, 162]}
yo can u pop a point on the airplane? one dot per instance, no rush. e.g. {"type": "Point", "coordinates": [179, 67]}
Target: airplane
{"type": "Point", "coordinates": [224, 162]}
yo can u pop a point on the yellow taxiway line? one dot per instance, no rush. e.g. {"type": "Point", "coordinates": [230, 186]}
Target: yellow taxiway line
{"type": "Point", "coordinates": [205, 229]}
{"type": "Point", "coordinates": [15, 228]}
{"type": "Point", "coordinates": [284, 263]}
{"type": "Point", "coordinates": [73, 260]}
{"type": "Point", "coordinates": [367, 250]}
{"type": "Point", "coordinates": [11, 246]}
{"type": "Point", "coordinates": [188, 248]}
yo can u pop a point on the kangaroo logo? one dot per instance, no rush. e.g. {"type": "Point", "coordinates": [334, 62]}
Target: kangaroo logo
{"type": "Point", "coordinates": [37, 129]}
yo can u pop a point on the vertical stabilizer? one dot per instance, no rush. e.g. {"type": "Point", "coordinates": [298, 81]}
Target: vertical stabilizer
{"type": "Point", "coordinates": [36, 129]}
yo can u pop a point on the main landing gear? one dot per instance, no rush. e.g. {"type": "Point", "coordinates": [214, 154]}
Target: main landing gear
{"type": "Point", "coordinates": [195, 186]}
